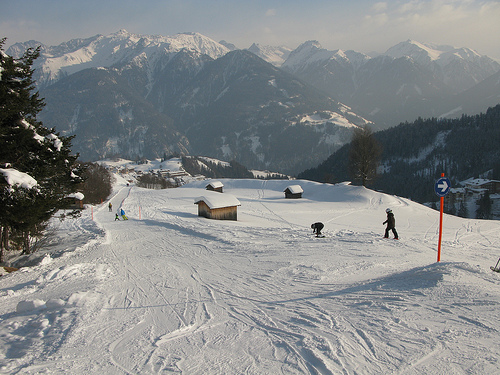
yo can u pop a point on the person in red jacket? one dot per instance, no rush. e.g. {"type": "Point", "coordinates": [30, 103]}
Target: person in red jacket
{"type": "Point", "coordinates": [391, 224]}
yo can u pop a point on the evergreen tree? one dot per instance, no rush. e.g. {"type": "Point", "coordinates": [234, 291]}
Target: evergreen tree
{"type": "Point", "coordinates": [29, 147]}
{"type": "Point", "coordinates": [484, 206]}
{"type": "Point", "coordinates": [462, 211]}
{"type": "Point", "coordinates": [364, 155]}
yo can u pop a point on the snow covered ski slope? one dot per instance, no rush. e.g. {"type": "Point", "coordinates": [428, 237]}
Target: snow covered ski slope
{"type": "Point", "coordinates": [170, 292]}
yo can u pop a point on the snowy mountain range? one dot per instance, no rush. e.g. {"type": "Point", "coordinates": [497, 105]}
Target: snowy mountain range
{"type": "Point", "coordinates": [266, 107]}
{"type": "Point", "coordinates": [118, 49]}
{"type": "Point", "coordinates": [409, 80]}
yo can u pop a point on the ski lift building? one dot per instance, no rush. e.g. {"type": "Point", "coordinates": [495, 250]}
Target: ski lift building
{"type": "Point", "coordinates": [217, 206]}
{"type": "Point", "coordinates": [293, 192]}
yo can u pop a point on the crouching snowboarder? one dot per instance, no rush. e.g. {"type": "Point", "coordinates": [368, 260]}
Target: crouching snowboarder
{"type": "Point", "coordinates": [391, 224]}
{"type": "Point", "coordinates": [317, 227]}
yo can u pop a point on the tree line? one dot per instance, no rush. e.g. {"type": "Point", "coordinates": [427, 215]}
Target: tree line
{"type": "Point", "coordinates": [413, 155]}
{"type": "Point", "coordinates": [194, 166]}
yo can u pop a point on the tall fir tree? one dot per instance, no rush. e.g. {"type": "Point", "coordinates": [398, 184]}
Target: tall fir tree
{"type": "Point", "coordinates": [484, 206]}
{"type": "Point", "coordinates": [364, 155]}
{"type": "Point", "coordinates": [27, 146]}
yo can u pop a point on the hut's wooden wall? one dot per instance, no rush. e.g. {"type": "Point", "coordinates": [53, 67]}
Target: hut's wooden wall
{"type": "Point", "coordinates": [225, 213]}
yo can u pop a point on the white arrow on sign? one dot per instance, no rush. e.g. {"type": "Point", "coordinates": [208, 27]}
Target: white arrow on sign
{"type": "Point", "coordinates": [443, 186]}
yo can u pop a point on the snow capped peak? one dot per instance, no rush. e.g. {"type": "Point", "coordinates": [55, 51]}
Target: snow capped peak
{"type": "Point", "coordinates": [306, 52]}
{"type": "Point", "coordinates": [197, 42]}
{"type": "Point", "coordinates": [420, 52]}
{"type": "Point", "coordinates": [309, 47]}
{"type": "Point", "coordinates": [228, 45]}
{"type": "Point", "coordinates": [122, 32]}
{"type": "Point", "coordinates": [426, 53]}
{"type": "Point", "coordinates": [311, 52]}
{"type": "Point", "coordinates": [271, 54]}
{"type": "Point", "coordinates": [310, 44]}
{"type": "Point", "coordinates": [465, 53]}
{"type": "Point", "coordinates": [120, 47]}
{"type": "Point", "coordinates": [462, 67]}
{"type": "Point", "coordinates": [16, 50]}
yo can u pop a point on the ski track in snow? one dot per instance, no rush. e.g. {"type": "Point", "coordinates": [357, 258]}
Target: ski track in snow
{"type": "Point", "coordinates": [171, 292]}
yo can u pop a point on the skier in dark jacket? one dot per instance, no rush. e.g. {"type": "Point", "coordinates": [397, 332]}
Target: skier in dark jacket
{"type": "Point", "coordinates": [316, 227]}
{"type": "Point", "coordinates": [391, 224]}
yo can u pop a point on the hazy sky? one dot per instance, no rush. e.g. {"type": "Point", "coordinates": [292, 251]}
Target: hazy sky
{"type": "Point", "coordinates": [361, 25]}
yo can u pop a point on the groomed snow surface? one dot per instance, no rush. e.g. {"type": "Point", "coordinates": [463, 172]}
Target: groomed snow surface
{"type": "Point", "coordinates": [170, 292]}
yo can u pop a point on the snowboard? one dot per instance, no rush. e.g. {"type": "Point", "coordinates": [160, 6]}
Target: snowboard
{"type": "Point", "coordinates": [496, 269]}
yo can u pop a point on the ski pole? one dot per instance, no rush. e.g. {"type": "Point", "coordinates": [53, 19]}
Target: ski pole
{"type": "Point", "coordinates": [497, 264]}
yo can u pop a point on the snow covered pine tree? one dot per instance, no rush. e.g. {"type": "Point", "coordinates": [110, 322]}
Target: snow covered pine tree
{"type": "Point", "coordinates": [30, 148]}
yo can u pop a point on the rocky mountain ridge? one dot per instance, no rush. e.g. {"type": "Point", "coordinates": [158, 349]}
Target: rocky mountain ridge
{"type": "Point", "coordinates": [135, 95]}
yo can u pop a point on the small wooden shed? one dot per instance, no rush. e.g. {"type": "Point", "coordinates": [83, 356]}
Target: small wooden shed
{"type": "Point", "coordinates": [293, 192]}
{"type": "Point", "coordinates": [215, 186]}
{"type": "Point", "coordinates": [217, 206]}
{"type": "Point", "coordinates": [76, 200]}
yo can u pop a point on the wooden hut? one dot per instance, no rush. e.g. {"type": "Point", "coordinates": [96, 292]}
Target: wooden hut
{"type": "Point", "coordinates": [293, 192]}
{"type": "Point", "coordinates": [218, 206]}
{"type": "Point", "coordinates": [215, 186]}
{"type": "Point", "coordinates": [76, 201]}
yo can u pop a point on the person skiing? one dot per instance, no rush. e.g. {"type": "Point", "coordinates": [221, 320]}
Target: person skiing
{"type": "Point", "coordinates": [110, 207]}
{"type": "Point", "coordinates": [122, 213]}
{"type": "Point", "coordinates": [316, 227]}
{"type": "Point", "coordinates": [117, 217]}
{"type": "Point", "coordinates": [391, 224]}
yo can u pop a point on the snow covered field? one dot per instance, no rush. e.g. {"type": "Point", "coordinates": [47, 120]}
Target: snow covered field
{"type": "Point", "coordinates": [170, 292]}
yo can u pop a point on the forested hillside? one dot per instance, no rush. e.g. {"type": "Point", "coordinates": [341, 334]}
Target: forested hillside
{"type": "Point", "coordinates": [415, 154]}
{"type": "Point", "coordinates": [213, 168]}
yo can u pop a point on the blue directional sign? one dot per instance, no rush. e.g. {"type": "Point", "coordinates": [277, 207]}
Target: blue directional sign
{"type": "Point", "coordinates": [442, 186]}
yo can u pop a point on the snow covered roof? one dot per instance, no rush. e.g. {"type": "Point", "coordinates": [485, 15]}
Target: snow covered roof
{"type": "Point", "coordinates": [14, 177]}
{"type": "Point", "coordinates": [477, 181]}
{"type": "Point", "coordinates": [294, 189]}
{"type": "Point", "coordinates": [78, 196]}
{"type": "Point", "coordinates": [217, 200]}
{"type": "Point", "coordinates": [216, 184]}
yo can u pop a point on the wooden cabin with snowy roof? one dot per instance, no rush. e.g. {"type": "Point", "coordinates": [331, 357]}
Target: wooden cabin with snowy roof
{"type": "Point", "coordinates": [76, 201]}
{"type": "Point", "coordinates": [215, 186]}
{"type": "Point", "coordinates": [217, 206]}
{"type": "Point", "coordinates": [293, 192]}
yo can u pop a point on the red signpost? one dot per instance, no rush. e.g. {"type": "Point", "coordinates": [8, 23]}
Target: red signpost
{"type": "Point", "coordinates": [440, 228]}
{"type": "Point", "coordinates": [442, 187]}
